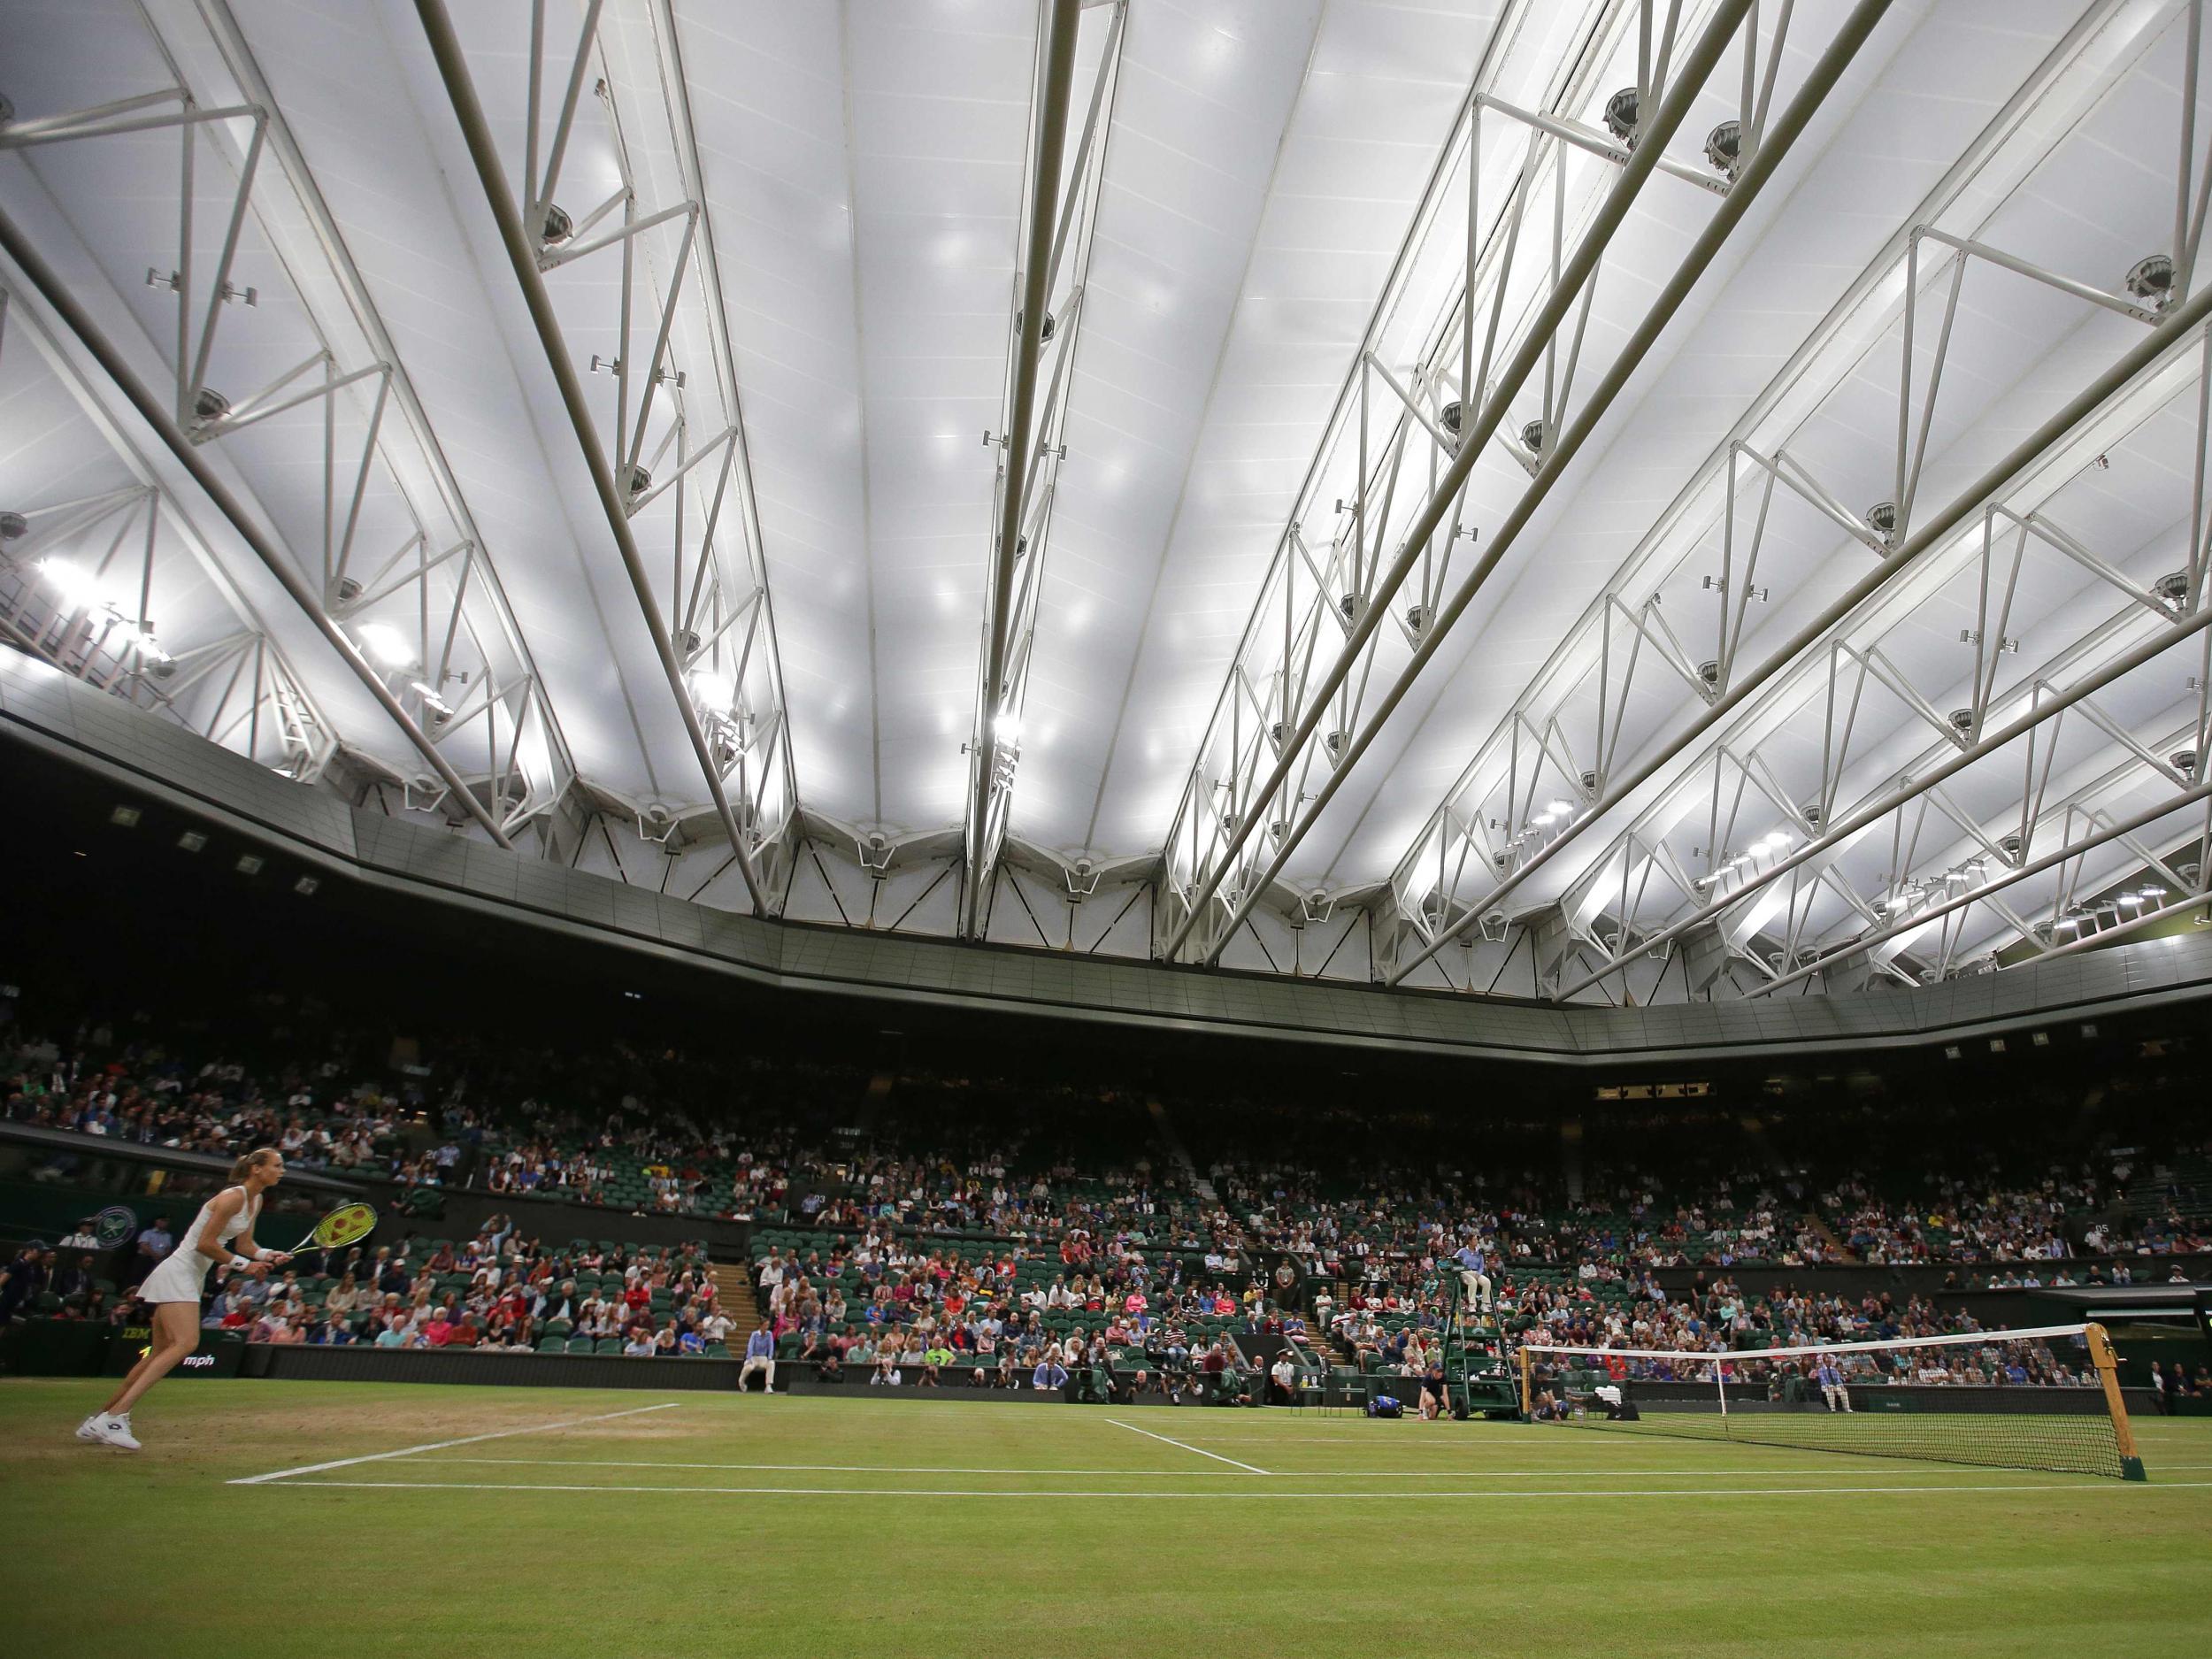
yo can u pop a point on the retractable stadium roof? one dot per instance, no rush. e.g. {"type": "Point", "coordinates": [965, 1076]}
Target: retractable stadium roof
{"type": "Point", "coordinates": [1601, 501]}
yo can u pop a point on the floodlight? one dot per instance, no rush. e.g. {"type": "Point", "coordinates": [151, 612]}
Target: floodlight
{"type": "Point", "coordinates": [78, 586]}
{"type": "Point", "coordinates": [385, 643]}
{"type": "Point", "coordinates": [716, 692]}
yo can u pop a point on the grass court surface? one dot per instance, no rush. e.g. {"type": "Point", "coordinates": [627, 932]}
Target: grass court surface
{"type": "Point", "coordinates": [319, 1518]}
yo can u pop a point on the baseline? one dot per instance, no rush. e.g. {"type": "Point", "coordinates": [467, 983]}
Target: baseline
{"type": "Point", "coordinates": [2084, 1485]}
{"type": "Point", "coordinates": [1851, 1468]}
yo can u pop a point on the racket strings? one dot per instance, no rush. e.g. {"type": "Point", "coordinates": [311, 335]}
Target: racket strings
{"type": "Point", "coordinates": [344, 1226]}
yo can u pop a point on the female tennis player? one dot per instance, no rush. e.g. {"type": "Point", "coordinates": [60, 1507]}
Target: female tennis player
{"type": "Point", "coordinates": [222, 1232]}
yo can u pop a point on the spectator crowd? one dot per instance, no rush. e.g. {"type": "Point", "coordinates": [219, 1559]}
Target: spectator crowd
{"type": "Point", "coordinates": [991, 1233]}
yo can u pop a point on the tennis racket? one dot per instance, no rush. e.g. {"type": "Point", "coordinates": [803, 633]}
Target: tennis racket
{"type": "Point", "coordinates": [348, 1223]}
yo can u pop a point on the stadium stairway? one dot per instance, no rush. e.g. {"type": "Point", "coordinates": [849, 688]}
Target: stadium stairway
{"type": "Point", "coordinates": [2183, 1183]}
{"type": "Point", "coordinates": [1817, 1224]}
{"type": "Point", "coordinates": [1321, 1339]}
{"type": "Point", "coordinates": [1164, 1126]}
{"type": "Point", "coordinates": [733, 1294]}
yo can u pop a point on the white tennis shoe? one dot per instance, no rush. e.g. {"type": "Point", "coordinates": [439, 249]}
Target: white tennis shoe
{"type": "Point", "coordinates": [85, 1429]}
{"type": "Point", "coordinates": [114, 1432]}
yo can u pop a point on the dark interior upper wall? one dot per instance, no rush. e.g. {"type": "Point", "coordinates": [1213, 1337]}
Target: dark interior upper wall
{"type": "Point", "coordinates": [416, 896]}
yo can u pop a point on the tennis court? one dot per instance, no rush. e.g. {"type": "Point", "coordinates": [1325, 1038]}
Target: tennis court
{"type": "Point", "coordinates": [485, 1519]}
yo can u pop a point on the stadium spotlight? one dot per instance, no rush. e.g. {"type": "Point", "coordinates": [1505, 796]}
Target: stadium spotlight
{"type": "Point", "coordinates": [248, 865]}
{"type": "Point", "coordinates": [431, 700]}
{"type": "Point", "coordinates": [192, 841]}
{"type": "Point", "coordinates": [1951, 1051]}
{"type": "Point", "coordinates": [385, 643]}
{"type": "Point", "coordinates": [1724, 147]}
{"type": "Point", "coordinates": [2151, 279]}
{"type": "Point", "coordinates": [305, 886]}
{"type": "Point", "coordinates": [1622, 115]}
{"type": "Point", "coordinates": [716, 692]}
{"type": "Point", "coordinates": [124, 818]}
{"type": "Point", "coordinates": [77, 585]}
{"type": "Point", "coordinates": [2040, 1039]}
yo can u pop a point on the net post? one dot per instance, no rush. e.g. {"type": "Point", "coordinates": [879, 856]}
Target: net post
{"type": "Point", "coordinates": [1528, 1400]}
{"type": "Point", "coordinates": [2108, 1365]}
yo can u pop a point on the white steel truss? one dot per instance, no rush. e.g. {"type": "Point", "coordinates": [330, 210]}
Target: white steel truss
{"type": "Point", "coordinates": [1862, 702]}
{"type": "Point", "coordinates": [1553, 767]}
{"type": "Point", "coordinates": [2016, 729]}
{"type": "Point", "coordinates": [399, 575]}
{"type": "Point", "coordinates": [1046, 322]}
{"type": "Point", "coordinates": [1218, 863]}
{"type": "Point", "coordinates": [670, 466]}
{"type": "Point", "coordinates": [83, 582]}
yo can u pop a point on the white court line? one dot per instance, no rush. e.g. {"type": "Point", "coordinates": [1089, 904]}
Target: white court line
{"type": "Point", "coordinates": [439, 1446]}
{"type": "Point", "coordinates": [2086, 1484]}
{"type": "Point", "coordinates": [1250, 1469]}
{"type": "Point", "coordinates": [1853, 1469]}
{"type": "Point", "coordinates": [824, 1469]}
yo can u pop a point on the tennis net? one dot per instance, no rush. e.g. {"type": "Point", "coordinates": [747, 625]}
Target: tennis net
{"type": "Point", "coordinates": [1968, 1398]}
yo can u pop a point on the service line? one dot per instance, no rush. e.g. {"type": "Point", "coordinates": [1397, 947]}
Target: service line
{"type": "Point", "coordinates": [1250, 1469]}
{"type": "Point", "coordinates": [439, 1446]}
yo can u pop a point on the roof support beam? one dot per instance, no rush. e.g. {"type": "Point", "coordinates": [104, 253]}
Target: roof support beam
{"type": "Point", "coordinates": [303, 246]}
{"type": "Point", "coordinates": [2088, 63]}
{"type": "Point", "coordinates": [2172, 332]}
{"type": "Point", "coordinates": [708, 578]}
{"type": "Point", "coordinates": [1057, 80]}
{"type": "Point", "coordinates": [2118, 831]}
{"type": "Point", "coordinates": [522, 253]}
{"type": "Point", "coordinates": [155, 414]}
{"type": "Point", "coordinates": [1561, 451]}
{"type": "Point", "coordinates": [1571, 278]}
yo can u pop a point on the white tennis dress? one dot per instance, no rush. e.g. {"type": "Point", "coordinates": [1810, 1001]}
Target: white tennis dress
{"type": "Point", "coordinates": [183, 1276]}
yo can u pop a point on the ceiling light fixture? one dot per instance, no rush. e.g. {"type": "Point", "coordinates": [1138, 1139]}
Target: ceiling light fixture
{"type": "Point", "coordinates": [79, 587]}
{"type": "Point", "coordinates": [385, 643]}
{"type": "Point", "coordinates": [716, 692]}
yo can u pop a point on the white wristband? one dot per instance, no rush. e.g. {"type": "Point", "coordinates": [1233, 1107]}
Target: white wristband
{"type": "Point", "coordinates": [242, 1257]}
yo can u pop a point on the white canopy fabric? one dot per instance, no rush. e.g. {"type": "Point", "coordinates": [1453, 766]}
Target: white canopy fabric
{"type": "Point", "coordinates": [1616, 772]}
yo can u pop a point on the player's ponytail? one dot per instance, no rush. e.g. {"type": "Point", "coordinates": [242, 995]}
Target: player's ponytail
{"type": "Point", "coordinates": [245, 1165]}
